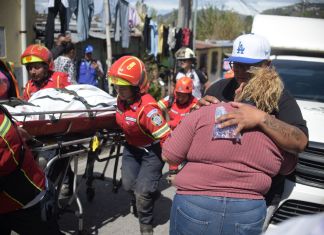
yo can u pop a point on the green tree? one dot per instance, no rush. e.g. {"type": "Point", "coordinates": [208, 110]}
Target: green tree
{"type": "Point", "coordinates": [220, 25]}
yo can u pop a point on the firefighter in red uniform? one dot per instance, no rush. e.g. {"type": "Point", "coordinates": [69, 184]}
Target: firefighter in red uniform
{"type": "Point", "coordinates": [177, 109]}
{"type": "Point", "coordinates": [183, 103]}
{"type": "Point", "coordinates": [22, 185]}
{"type": "Point", "coordinates": [8, 85]}
{"type": "Point", "coordinates": [140, 118]}
{"type": "Point", "coordinates": [39, 64]}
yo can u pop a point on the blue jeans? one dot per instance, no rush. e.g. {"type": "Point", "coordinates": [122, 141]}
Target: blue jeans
{"type": "Point", "coordinates": [198, 215]}
{"type": "Point", "coordinates": [141, 172]}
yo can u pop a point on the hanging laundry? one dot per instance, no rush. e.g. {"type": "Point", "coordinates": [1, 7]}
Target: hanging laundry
{"type": "Point", "coordinates": [51, 3]}
{"type": "Point", "coordinates": [186, 33]}
{"type": "Point", "coordinates": [121, 23]}
{"type": "Point", "coordinates": [98, 7]}
{"type": "Point", "coordinates": [191, 40]}
{"type": "Point", "coordinates": [85, 13]}
{"type": "Point", "coordinates": [171, 37]}
{"type": "Point", "coordinates": [54, 7]}
{"type": "Point", "coordinates": [154, 38]}
{"type": "Point", "coordinates": [73, 9]}
{"type": "Point", "coordinates": [147, 33]}
{"type": "Point", "coordinates": [133, 17]}
{"type": "Point", "coordinates": [160, 38]}
{"type": "Point", "coordinates": [178, 39]}
{"type": "Point", "coordinates": [165, 46]}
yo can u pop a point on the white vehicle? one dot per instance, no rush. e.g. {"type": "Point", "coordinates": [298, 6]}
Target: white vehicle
{"type": "Point", "coordinates": [297, 48]}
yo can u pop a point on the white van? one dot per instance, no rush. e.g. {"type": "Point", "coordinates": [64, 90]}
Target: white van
{"type": "Point", "coordinates": [297, 48]}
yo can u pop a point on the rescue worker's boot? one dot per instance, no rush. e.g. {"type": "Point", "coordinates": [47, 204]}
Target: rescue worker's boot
{"type": "Point", "coordinates": [146, 229]}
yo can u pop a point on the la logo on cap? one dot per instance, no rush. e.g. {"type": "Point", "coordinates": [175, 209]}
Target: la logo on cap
{"type": "Point", "coordinates": [240, 48]}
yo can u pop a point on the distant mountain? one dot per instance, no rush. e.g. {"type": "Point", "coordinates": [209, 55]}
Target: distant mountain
{"type": "Point", "coordinates": [313, 10]}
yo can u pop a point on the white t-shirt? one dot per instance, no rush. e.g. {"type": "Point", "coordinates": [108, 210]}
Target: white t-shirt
{"type": "Point", "coordinates": [196, 92]}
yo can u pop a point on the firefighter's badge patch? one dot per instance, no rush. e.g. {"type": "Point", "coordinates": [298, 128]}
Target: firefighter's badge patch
{"type": "Point", "coordinates": [156, 119]}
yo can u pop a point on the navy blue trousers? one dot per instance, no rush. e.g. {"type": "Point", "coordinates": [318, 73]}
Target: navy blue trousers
{"type": "Point", "coordinates": [141, 172]}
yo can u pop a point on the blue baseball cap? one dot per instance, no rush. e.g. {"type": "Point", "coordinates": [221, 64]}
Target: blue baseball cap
{"type": "Point", "coordinates": [250, 49]}
{"type": "Point", "coordinates": [88, 49]}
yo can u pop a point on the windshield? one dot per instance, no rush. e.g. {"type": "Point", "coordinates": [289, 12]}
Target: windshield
{"type": "Point", "coordinates": [304, 79]}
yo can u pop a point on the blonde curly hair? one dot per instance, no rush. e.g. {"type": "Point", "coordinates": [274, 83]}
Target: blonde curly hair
{"type": "Point", "coordinates": [264, 89]}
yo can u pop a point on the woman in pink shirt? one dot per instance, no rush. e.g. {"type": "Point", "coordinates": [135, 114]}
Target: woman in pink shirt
{"type": "Point", "coordinates": [221, 188]}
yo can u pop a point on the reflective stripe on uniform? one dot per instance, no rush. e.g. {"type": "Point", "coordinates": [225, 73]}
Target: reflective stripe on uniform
{"type": "Point", "coordinates": [14, 199]}
{"type": "Point", "coordinates": [162, 105]}
{"type": "Point", "coordinates": [4, 128]}
{"type": "Point", "coordinates": [161, 132]}
{"type": "Point", "coordinates": [173, 111]}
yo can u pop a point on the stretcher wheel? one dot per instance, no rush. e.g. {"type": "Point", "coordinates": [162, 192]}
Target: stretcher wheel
{"type": "Point", "coordinates": [90, 194]}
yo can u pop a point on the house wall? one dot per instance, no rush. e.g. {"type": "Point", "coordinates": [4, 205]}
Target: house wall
{"type": "Point", "coordinates": [10, 20]}
{"type": "Point", "coordinates": [10, 17]}
{"type": "Point", "coordinates": [212, 60]}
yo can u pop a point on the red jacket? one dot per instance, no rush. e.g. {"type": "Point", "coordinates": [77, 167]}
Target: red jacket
{"type": "Point", "coordinates": [57, 80]}
{"type": "Point", "coordinates": [142, 122]}
{"type": "Point", "coordinates": [177, 112]}
{"type": "Point", "coordinates": [21, 180]}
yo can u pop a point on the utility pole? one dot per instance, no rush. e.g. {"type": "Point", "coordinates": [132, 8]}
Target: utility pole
{"type": "Point", "coordinates": [108, 39]}
{"type": "Point", "coordinates": [194, 30]}
{"type": "Point", "coordinates": [184, 14]}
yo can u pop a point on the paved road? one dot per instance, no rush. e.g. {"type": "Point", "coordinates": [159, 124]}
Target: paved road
{"type": "Point", "coordinates": [109, 212]}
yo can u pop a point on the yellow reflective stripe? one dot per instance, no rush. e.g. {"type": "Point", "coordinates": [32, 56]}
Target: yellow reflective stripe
{"type": "Point", "coordinates": [162, 131]}
{"type": "Point", "coordinates": [119, 81]}
{"type": "Point", "coordinates": [5, 126]}
{"type": "Point", "coordinates": [138, 121]}
{"type": "Point", "coordinates": [162, 105]}
{"type": "Point", "coordinates": [31, 181]}
{"type": "Point", "coordinates": [18, 202]}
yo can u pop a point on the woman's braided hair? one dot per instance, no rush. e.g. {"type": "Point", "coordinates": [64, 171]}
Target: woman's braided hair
{"type": "Point", "coordinates": [264, 89]}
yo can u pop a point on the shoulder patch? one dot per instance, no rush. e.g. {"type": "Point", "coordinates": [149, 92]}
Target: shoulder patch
{"type": "Point", "coordinates": [156, 119]}
{"type": "Point", "coordinates": [153, 111]}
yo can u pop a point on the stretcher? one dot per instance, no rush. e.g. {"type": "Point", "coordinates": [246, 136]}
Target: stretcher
{"type": "Point", "coordinates": [71, 137]}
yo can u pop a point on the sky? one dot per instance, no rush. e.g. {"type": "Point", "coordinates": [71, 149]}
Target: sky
{"type": "Point", "coordinates": [246, 7]}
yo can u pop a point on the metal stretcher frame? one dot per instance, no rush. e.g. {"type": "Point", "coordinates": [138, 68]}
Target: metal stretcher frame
{"type": "Point", "coordinates": [87, 134]}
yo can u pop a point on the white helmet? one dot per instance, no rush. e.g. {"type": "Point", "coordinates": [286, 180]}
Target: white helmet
{"type": "Point", "coordinates": [185, 53]}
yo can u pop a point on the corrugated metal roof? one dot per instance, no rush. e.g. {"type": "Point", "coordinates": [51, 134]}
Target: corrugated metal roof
{"type": "Point", "coordinates": [200, 45]}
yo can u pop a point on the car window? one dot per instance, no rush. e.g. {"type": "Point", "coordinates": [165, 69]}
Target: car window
{"type": "Point", "coordinates": [304, 79]}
